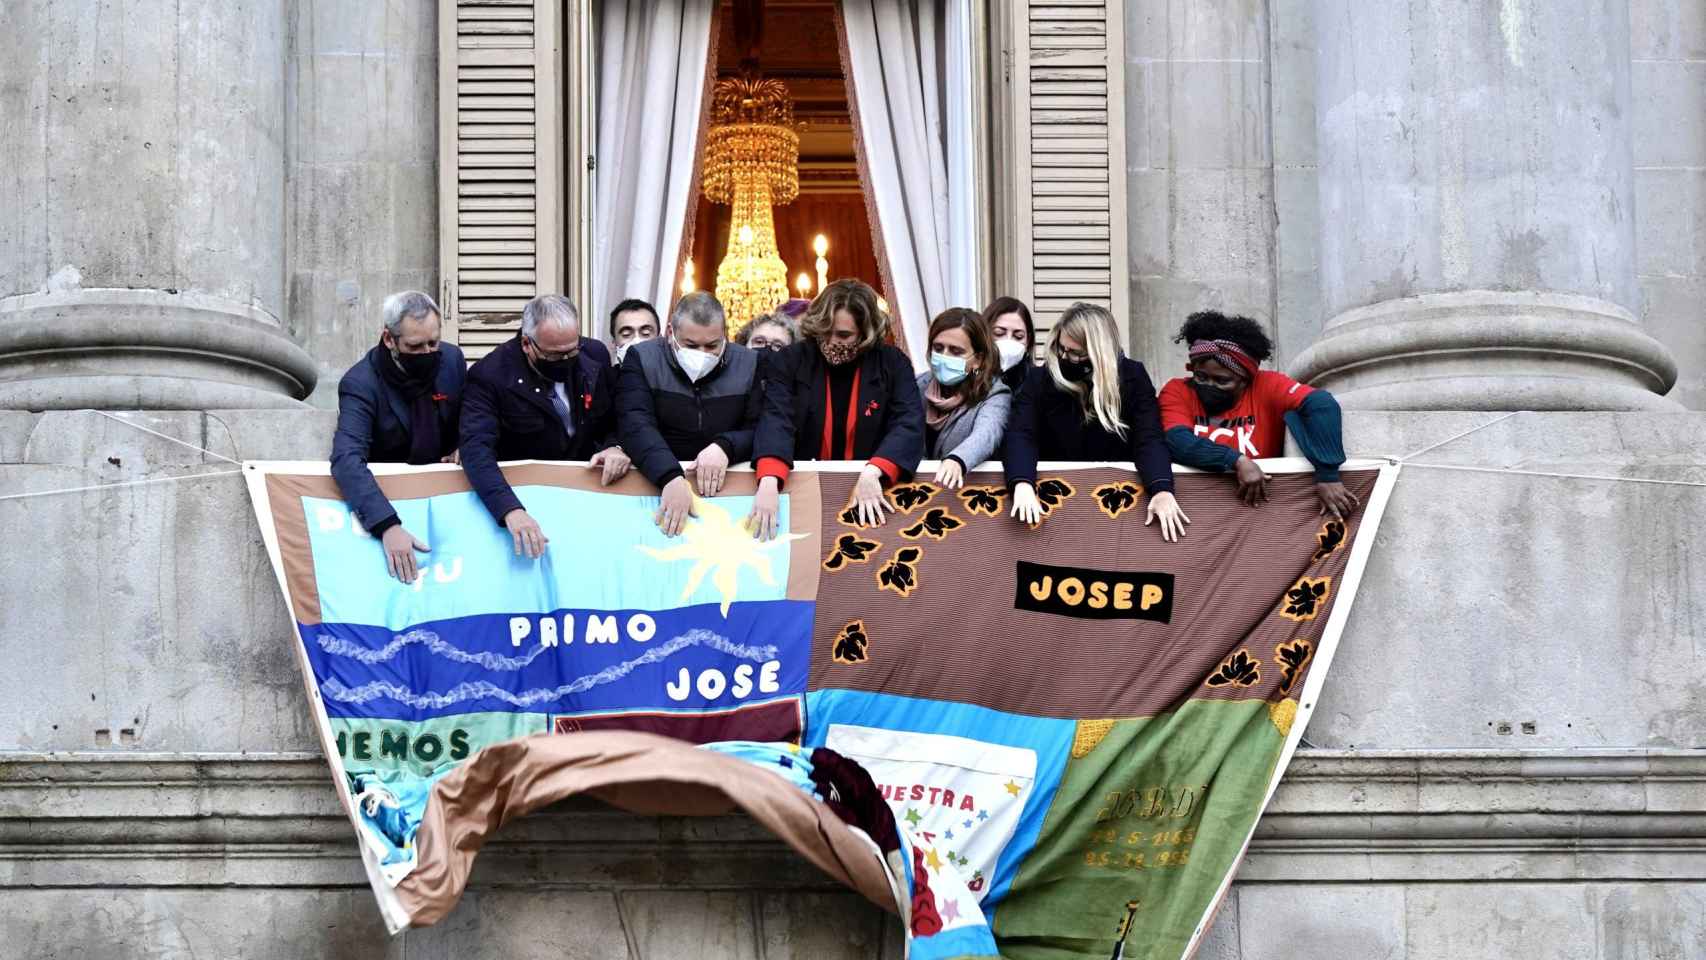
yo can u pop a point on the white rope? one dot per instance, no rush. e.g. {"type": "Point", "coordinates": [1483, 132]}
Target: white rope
{"type": "Point", "coordinates": [181, 443]}
{"type": "Point", "coordinates": [1408, 457]}
{"type": "Point", "coordinates": [1560, 476]}
{"type": "Point", "coordinates": [122, 483]}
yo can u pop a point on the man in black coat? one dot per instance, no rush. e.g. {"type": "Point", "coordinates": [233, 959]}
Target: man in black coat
{"type": "Point", "coordinates": [692, 396]}
{"type": "Point", "coordinates": [398, 404]}
{"type": "Point", "coordinates": [548, 394]}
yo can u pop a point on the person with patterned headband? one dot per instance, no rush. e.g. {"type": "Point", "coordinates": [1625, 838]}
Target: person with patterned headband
{"type": "Point", "coordinates": [1230, 412]}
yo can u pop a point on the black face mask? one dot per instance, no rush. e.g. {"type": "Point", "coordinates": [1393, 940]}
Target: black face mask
{"type": "Point", "coordinates": [418, 367]}
{"type": "Point", "coordinates": [557, 371]}
{"type": "Point", "coordinates": [1214, 399]}
{"type": "Point", "coordinates": [1076, 371]}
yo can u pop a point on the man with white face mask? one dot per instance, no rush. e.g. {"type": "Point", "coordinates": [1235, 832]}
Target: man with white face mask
{"type": "Point", "coordinates": [692, 396]}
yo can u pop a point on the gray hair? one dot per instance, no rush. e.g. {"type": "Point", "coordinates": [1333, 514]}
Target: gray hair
{"type": "Point", "coordinates": [553, 308]}
{"type": "Point", "coordinates": [698, 309]}
{"type": "Point", "coordinates": [408, 305]}
{"type": "Point", "coordinates": [779, 319]}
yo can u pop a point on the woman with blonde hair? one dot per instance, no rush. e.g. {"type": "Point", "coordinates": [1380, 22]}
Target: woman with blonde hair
{"type": "Point", "coordinates": [1090, 402]}
{"type": "Point", "coordinates": [839, 393]}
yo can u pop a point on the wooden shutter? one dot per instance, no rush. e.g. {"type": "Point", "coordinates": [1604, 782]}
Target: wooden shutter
{"type": "Point", "coordinates": [500, 164]}
{"type": "Point", "coordinates": [1066, 96]}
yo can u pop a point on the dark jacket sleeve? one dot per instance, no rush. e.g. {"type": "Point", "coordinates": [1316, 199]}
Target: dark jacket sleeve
{"type": "Point", "coordinates": [903, 443]}
{"type": "Point", "coordinates": [1019, 454]}
{"type": "Point", "coordinates": [603, 422]}
{"type": "Point", "coordinates": [351, 445]}
{"type": "Point", "coordinates": [479, 448]}
{"type": "Point", "coordinates": [1199, 452]}
{"type": "Point", "coordinates": [1148, 448]}
{"type": "Point", "coordinates": [738, 443]}
{"type": "Point", "coordinates": [1318, 428]}
{"type": "Point", "coordinates": [774, 438]}
{"type": "Point", "coordinates": [637, 421]}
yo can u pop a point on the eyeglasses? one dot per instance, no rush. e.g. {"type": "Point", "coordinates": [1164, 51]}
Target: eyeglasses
{"type": "Point", "coordinates": [549, 357]}
{"type": "Point", "coordinates": [760, 343]}
{"type": "Point", "coordinates": [1071, 356]}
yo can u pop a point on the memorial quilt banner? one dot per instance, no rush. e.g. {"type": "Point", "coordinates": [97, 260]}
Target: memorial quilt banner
{"type": "Point", "coordinates": [1051, 741]}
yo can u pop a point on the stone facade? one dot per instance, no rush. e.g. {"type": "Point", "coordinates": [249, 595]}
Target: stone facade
{"type": "Point", "coordinates": [201, 205]}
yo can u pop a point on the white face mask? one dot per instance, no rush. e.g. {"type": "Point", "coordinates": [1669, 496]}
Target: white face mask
{"type": "Point", "coordinates": [695, 363]}
{"type": "Point", "coordinates": [622, 351]}
{"type": "Point", "coordinates": [1012, 351]}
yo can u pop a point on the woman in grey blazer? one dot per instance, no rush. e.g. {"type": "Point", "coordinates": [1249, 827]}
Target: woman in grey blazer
{"type": "Point", "coordinates": [965, 402]}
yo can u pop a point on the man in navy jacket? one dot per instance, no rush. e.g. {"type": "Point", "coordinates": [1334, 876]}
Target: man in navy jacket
{"type": "Point", "coordinates": [548, 394]}
{"type": "Point", "coordinates": [398, 404]}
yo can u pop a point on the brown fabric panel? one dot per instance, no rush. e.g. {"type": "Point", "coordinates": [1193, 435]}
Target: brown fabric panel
{"type": "Point", "coordinates": [805, 506]}
{"type": "Point", "coordinates": [432, 483]}
{"type": "Point", "coordinates": [290, 525]}
{"type": "Point", "coordinates": [980, 649]}
{"type": "Point", "coordinates": [638, 772]}
{"type": "Point", "coordinates": [779, 721]}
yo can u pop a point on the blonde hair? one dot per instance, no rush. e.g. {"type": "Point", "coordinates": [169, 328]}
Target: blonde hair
{"type": "Point", "coordinates": [855, 297]}
{"type": "Point", "coordinates": [1094, 326]}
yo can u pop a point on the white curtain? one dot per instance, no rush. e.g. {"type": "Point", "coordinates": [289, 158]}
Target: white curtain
{"type": "Point", "coordinates": [909, 65]}
{"type": "Point", "coordinates": [651, 86]}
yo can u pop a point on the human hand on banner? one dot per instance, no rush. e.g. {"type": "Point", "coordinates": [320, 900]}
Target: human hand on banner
{"type": "Point", "coordinates": [676, 508]}
{"type": "Point", "coordinates": [525, 531]}
{"type": "Point", "coordinates": [1252, 482]}
{"type": "Point", "coordinates": [454, 456]}
{"type": "Point", "coordinates": [1026, 507]}
{"type": "Point", "coordinates": [868, 497]}
{"type": "Point", "coordinates": [710, 469]}
{"type": "Point", "coordinates": [765, 504]}
{"type": "Point", "coordinates": [1335, 499]}
{"type": "Point", "coordinates": [400, 546]}
{"type": "Point", "coordinates": [614, 462]}
{"type": "Point", "coordinates": [1163, 507]}
{"type": "Point", "coordinates": [950, 475]}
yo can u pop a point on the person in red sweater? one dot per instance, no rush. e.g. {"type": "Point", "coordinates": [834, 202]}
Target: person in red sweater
{"type": "Point", "coordinates": [1229, 413]}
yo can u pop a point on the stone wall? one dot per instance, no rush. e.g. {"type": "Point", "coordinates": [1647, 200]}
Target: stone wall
{"type": "Point", "coordinates": [361, 170]}
{"type": "Point", "coordinates": [1224, 168]}
{"type": "Point", "coordinates": [1507, 753]}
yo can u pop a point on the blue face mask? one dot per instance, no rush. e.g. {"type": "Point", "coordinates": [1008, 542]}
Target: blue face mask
{"type": "Point", "coordinates": [949, 371]}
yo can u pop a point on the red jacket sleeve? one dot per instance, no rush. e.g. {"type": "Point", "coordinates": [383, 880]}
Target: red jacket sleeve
{"type": "Point", "coordinates": [1280, 393]}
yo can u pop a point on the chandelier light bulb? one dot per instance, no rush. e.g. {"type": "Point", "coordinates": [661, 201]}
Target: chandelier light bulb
{"type": "Point", "coordinates": [803, 283]}
{"type": "Point", "coordinates": [820, 246]}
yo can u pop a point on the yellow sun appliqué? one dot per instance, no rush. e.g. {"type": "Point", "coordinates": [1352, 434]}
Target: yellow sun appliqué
{"type": "Point", "coordinates": [720, 546]}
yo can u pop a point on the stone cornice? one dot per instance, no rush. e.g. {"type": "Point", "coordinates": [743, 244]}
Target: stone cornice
{"type": "Point", "coordinates": [112, 819]}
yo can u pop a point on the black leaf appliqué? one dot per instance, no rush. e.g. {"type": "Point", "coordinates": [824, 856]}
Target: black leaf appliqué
{"type": "Point", "coordinates": [851, 645]}
{"type": "Point", "coordinates": [907, 496]}
{"type": "Point", "coordinates": [1292, 657]}
{"type": "Point", "coordinates": [1331, 537]}
{"type": "Point", "coordinates": [1053, 492]}
{"type": "Point", "coordinates": [983, 500]}
{"type": "Point", "coordinates": [1114, 499]}
{"type": "Point", "coordinates": [1305, 598]}
{"type": "Point", "coordinates": [935, 524]}
{"type": "Point", "coordinates": [900, 574]}
{"type": "Point", "coordinates": [850, 549]}
{"type": "Point", "coordinates": [1238, 669]}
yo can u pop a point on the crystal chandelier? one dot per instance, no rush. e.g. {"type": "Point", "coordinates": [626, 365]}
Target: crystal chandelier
{"type": "Point", "coordinates": [752, 156]}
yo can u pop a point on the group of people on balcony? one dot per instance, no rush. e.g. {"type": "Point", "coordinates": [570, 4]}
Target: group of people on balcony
{"type": "Point", "coordinates": [814, 381]}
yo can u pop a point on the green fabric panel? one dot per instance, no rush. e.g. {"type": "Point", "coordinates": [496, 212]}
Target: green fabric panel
{"type": "Point", "coordinates": [1141, 831]}
{"type": "Point", "coordinates": [428, 747]}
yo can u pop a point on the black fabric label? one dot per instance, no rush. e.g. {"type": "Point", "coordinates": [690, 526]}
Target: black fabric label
{"type": "Point", "coordinates": [1094, 594]}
